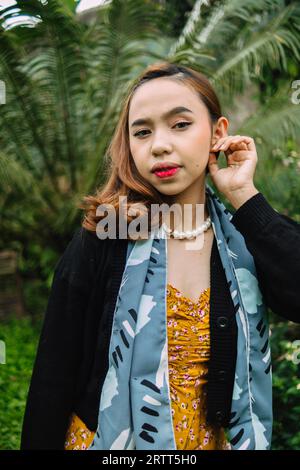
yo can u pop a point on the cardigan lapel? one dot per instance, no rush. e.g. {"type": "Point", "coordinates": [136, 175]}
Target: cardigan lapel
{"type": "Point", "coordinates": [223, 344]}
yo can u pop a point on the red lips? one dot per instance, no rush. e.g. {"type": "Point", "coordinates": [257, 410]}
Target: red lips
{"type": "Point", "coordinates": [166, 173]}
{"type": "Point", "coordinates": [164, 166]}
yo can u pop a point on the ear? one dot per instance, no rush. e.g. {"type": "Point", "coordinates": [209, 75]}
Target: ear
{"type": "Point", "coordinates": [220, 129]}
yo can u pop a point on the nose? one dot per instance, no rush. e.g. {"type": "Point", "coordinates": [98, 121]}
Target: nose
{"type": "Point", "coordinates": [160, 146]}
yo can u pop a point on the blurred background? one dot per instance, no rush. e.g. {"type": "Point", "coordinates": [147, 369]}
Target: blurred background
{"type": "Point", "coordinates": [65, 67]}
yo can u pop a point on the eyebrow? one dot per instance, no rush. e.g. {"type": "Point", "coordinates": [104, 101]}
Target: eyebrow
{"type": "Point", "coordinates": [171, 112]}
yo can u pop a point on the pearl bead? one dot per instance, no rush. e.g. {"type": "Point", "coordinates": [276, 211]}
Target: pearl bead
{"type": "Point", "coordinates": [168, 230]}
{"type": "Point", "coordinates": [189, 234]}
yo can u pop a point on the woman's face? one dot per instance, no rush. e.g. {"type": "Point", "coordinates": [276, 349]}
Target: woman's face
{"type": "Point", "coordinates": [183, 137]}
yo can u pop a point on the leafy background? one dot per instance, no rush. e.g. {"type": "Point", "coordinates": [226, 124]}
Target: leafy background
{"type": "Point", "coordinates": [66, 75]}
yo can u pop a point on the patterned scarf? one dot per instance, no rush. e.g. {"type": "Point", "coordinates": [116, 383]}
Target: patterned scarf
{"type": "Point", "coordinates": [135, 408]}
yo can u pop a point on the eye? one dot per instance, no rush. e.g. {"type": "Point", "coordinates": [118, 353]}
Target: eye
{"type": "Point", "coordinates": [183, 122]}
{"type": "Point", "coordinates": [137, 134]}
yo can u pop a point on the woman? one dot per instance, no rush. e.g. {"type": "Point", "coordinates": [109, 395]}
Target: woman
{"type": "Point", "coordinates": [163, 342]}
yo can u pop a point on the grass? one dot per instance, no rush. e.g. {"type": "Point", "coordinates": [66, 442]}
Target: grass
{"type": "Point", "coordinates": [21, 337]}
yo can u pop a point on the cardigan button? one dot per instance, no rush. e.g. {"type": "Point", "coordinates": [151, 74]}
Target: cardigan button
{"type": "Point", "coordinates": [219, 416]}
{"type": "Point", "coordinates": [222, 322]}
{"type": "Point", "coordinates": [222, 375]}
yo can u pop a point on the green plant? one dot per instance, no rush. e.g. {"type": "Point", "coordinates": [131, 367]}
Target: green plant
{"type": "Point", "coordinates": [286, 386]}
{"type": "Point", "coordinates": [20, 337]}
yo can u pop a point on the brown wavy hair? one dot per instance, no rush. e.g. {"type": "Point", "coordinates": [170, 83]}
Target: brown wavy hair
{"type": "Point", "coordinates": [123, 177]}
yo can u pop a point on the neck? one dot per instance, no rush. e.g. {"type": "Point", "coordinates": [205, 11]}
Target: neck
{"type": "Point", "coordinates": [193, 204]}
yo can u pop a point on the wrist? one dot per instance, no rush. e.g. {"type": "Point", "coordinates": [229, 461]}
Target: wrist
{"type": "Point", "coordinates": [238, 197]}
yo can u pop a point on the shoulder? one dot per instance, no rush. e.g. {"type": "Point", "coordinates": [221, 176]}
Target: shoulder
{"type": "Point", "coordinates": [82, 256]}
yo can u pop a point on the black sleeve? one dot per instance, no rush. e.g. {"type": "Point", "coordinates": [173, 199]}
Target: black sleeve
{"type": "Point", "coordinates": [273, 240]}
{"type": "Point", "coordinates": [51, 393]}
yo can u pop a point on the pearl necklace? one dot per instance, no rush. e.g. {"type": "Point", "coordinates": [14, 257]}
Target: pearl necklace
{"type": "Point", "coordinates": [189, 233]}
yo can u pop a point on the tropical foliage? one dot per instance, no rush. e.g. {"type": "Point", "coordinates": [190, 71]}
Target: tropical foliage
{"type": "Point", "coordinates": [65, 79]}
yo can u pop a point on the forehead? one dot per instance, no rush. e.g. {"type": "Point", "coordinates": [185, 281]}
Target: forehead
{"type": "Point", "coordinates": [159, 95]}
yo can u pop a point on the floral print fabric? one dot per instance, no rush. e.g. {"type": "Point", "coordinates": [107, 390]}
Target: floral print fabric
{"type": "Point", "coordinates": [189, 352]}
{"type": "Point", "coordinates": [78, 437]}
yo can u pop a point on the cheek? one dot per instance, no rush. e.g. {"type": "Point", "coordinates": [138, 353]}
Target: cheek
{"type": "Point", "coordinates": [138, 158]}
{"type": "Point", "coordinates": [136, 149]}
{"type": "Point", "coordinates": [200, 138]}
{"type": "Point", "coordinates": [199, 145]}
{"type": "Point", "coordinates": [134, 152]}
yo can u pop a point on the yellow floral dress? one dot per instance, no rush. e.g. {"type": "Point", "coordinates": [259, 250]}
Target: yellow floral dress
{"type": "Point", "coordinates": [189, 352]}
{"type": "Point", "coordinates": [78, 436]}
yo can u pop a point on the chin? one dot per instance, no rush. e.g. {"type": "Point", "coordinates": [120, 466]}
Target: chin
{"type": "Point", "coordinates": [169, 191]}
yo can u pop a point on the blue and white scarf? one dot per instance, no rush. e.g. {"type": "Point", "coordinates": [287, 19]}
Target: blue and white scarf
{"type": "Point", "coordinates": [135, 407]}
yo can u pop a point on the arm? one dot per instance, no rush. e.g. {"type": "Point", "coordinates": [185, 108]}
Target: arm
{"type": "Point", "coordinates": [273, 240]}
{"type": "Point", "coordinates": [52, 388]}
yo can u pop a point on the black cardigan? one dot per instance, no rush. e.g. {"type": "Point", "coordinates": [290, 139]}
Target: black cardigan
{"type": "Point", "coordinates": [72, 356]}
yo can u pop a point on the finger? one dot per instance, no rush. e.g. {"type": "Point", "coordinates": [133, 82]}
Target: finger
{"type": "Point", "coordinates": [247, 140]}
{"type": "Point", "coordinates": [222, 140]}
{"type": "Point", "coordinates": [250, 142]}
{"type": "Point", "coordinates": [238, 155]}
{"type": "Point", "coordinates": [213, 164]}
{"type": "Point", "coordinates": [235, 138]}
{"type": "Point", "coordinates": [235, 146]}
{"type": "Point", "coordinates": [238, 140]}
